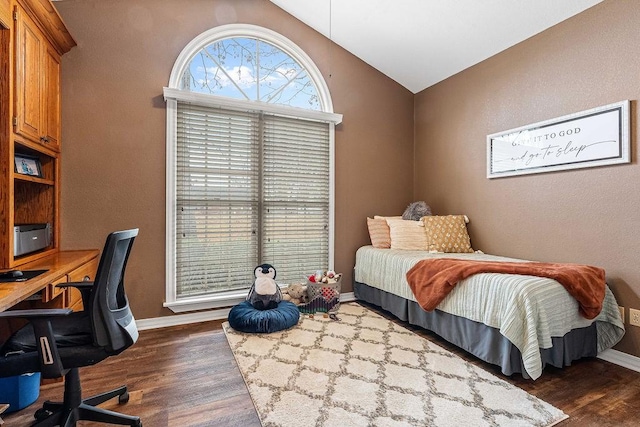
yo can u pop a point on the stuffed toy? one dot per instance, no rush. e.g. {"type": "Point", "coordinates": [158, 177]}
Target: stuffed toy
{"type": "Point", "coordinates": [416, 210]}
{"type": "Point", "coordinates": [296, 293]}
{"type": "Point", "coordinates": [324, 277]}
{"type": "Point", "coordinates": [265, 293]}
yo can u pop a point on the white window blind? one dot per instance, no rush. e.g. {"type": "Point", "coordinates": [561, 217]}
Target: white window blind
{"type": "Point", "coordinates": [295, 196]}
{"type": "Point", "coordinates": [250, 188]}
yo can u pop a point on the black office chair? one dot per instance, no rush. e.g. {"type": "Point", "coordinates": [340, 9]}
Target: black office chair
{"type": "Point", "coordinates": [57, 342]}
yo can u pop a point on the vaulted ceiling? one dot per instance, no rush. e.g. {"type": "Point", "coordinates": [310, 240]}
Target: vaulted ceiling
{"type": "Point", "coordinates": [421, 42]}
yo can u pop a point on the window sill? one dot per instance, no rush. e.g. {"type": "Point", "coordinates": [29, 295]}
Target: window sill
{"type": "Point", "coordinates": [208, 302]}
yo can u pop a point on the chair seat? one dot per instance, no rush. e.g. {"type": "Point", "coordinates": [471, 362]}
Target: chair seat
{"type": "Point", "coordinates": [73, 339]}
{"type": "Point", "coordinates": [71, 357]}
{"type": "Point", "coordinates": [69, 331]}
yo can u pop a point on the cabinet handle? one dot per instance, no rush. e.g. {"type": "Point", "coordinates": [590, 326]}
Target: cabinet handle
{"type": "Point", "coordinates": [86, 279]}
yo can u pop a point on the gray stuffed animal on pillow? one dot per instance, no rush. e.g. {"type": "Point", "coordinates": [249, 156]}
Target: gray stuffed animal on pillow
{"type": "Point", "coordinates": [416, 210]}
{"type": "Point", "coordinates": [265, 293]}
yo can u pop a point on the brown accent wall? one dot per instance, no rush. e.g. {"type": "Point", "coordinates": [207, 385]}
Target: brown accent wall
{"type": "Point", "coordinates": [113, 118]}
{"type": "Point", "coordinates": [589, 216]}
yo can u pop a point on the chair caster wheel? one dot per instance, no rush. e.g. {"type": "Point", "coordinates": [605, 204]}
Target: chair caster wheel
{"type": "Point", "coordinates": [123, 398]}
{"type": "Point", "coordinates": [41, 414]}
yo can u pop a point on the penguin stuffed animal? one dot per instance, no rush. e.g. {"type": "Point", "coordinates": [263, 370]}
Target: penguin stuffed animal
{"type": "Point", "coordinates": [265, 293]}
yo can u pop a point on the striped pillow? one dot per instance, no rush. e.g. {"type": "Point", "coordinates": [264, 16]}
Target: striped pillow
{"type": "Point", "coordinates": [407, 235]}
{"type": "Point", "coordinates": [447, 234]}
{"type": "Point", "coordinates": [379, 233]}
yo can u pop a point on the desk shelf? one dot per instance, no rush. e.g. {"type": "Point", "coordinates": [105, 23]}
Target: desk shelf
{"type": "Point", "coordinates": [35, 179]}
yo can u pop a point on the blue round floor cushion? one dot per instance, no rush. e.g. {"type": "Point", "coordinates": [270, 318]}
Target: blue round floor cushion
{"type": "Point", "coordinates": [244, 318]}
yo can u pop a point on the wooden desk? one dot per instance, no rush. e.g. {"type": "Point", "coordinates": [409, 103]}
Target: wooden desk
{"type": "Point", "coordinates": [58, 265]}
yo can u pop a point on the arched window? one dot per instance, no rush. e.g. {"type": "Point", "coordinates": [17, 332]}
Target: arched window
{"type": "Point", "coordinates": [252, 69]}
{"type": "Point", "coordinates": [250, 135]}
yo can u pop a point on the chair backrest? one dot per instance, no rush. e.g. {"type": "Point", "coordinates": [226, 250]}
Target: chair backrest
{"type": "Point", "coordinates": [111, 319]}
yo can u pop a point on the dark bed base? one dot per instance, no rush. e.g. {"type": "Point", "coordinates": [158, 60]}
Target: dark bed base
{"type": "Point", "coordinates": [482, 341]}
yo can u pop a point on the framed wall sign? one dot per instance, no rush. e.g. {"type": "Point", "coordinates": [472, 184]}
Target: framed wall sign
{"type": "Point", "coordinates": [595, 137]}
{"type": "Point", "coordinates": [28, 165]}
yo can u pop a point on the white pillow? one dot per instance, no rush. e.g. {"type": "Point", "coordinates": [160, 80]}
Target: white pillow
{"type": "Point", "coordinates": [407, 235]}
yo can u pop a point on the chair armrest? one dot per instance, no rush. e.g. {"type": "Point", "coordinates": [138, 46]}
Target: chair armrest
{"type": "Point", "coordinates": [50, 363]}
{"type": "Point", "coordinates": [83, 287]}
{"type": "Point", "coordinates": [37, 313]}
{"type": "Point", "coordinates": [78, 285]}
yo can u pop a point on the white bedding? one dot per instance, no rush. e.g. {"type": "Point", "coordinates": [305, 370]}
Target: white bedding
{"type": "Point", "coordinates": [527, 310]}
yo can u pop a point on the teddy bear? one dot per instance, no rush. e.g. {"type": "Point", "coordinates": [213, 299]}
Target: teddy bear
{"type": "Point", "coordinates": [265, 294]}
{"type": "Point", "coordinates": [296, 293]}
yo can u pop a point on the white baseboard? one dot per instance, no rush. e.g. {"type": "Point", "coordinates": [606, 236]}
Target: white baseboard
{"type": "Point", "coordinates": [182, 319]}
{"type": "Point", "coordinates": [347, 297]}
{"type": "Point", "coordinates": [201, 316]}
{"type": "Point", "coordinates": [621, 359]}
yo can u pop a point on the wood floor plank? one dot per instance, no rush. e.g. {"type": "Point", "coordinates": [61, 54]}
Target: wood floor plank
{"type": "Point", "coordinates": [186, 376]}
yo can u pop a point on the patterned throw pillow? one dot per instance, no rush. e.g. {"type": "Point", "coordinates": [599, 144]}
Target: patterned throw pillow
{"type": "Point", "coordinates": [447, 234]}
{"type": "Point", "coordinates": [407, 235]}
{"type": "Point", "coordinates": [379, 233]}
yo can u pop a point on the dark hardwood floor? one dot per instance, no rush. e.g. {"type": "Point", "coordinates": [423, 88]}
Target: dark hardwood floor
{"type": "Point", "coordinates": [186, 376]}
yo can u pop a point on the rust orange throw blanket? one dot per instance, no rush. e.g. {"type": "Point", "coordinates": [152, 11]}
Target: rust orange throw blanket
{"type": "Point", "coordinates": [432, 279]}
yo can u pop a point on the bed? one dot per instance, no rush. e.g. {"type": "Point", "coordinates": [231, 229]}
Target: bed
{"type": "Point", "coordinates": [520, 323]}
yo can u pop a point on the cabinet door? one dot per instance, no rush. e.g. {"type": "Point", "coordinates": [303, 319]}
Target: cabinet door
{"type": "Point", "coordinates": [5, 13]}
{"type": "Point", "coordinates": [51, 99]}
{"type": "Point", "coordinates": [28, 78]}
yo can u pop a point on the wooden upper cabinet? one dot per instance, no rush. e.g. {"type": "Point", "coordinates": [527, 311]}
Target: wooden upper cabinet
{"type": "Point", "coordinates": [51, 102]}
{"type": "Point", "coordinates": [31, 49]}
{"type": "Point", "coordinates": [5, 13]}
{"type": "Point", "coordinates": [37, 84]}
{"type": "Point", "coordinates": [28, 77]}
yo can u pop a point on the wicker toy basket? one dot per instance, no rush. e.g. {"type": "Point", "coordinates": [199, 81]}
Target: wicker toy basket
{"type": "Point", "coordinates": [322, 297]}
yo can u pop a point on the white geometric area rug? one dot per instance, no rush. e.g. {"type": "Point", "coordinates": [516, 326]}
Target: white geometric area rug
{"type": "Point", "coordinates": [365, 370]}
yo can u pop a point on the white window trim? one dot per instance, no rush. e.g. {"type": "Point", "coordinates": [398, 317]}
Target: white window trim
{"type": "Point", "coordinates": [253, 106]}
{"type": "Point", "coordinates": [173, 94]}
{"type": "Point", "coordinates": [247, 30]}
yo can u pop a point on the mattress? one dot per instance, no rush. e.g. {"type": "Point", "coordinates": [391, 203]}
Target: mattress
{"type": "Point", "coordinates": [529, 311]}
